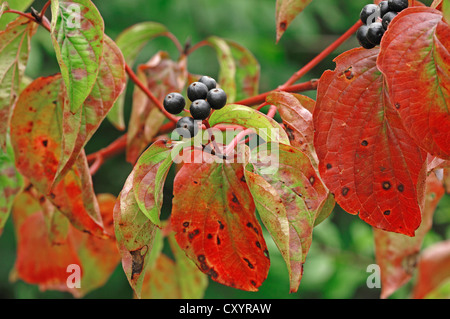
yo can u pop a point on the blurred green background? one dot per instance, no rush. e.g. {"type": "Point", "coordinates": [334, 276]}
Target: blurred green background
{"type": "Point", "coordinates": [343, 245]}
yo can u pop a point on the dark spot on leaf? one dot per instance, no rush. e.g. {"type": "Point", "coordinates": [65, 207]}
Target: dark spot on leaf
{"type": "Point", "coordinates": [387, 212]}
{"type": "Point", "coordinates": [201, 258]}
{"type": "Point", "coordinates": [45, 143]}
{"type": "Point", "coordinates": [42, 199]}
{"type": "Point", "coordinates": [266, 253]}
{"type": "Point", "coordinates": [195, 182]}
{"type": "Point", "coordinates": [283, 25]}
{"type": "Point", "coordinates": [186, 224]}
{"type": "Point", "coordinates": [222, 226]}
{"type": "Point", "coordinates": [349, 73]}
{"type": "Point", "coordinates": [52, 195]}
{"type": "Point", "coordinates": [329, 166]}
{"type": "Point", "coordinates": [249, 263]}
{"type": "Point", "coordinates": [210, 236]}
{"type": "Point", "coordinates": [204, 266]}
{"type": "Point", "coordinates": [137, 263]}
{"type": "Point", "coordinates": [345, 191]}
{"type": "Point", "coordinates": [250, 225]}
{"type": "Point", "coordinates": [290, 133]}
{"type": "Point", "coordinates": [364, 143]}
{"type": "Point", "coordinates": [212, 273]}
{"type": "Point", "coordinates": [386, 185]}
{"type": "Point", "coordinates": [397, 105]}
{"type": "Point", "coordinates": [243, 179]}
{"type": "Point", "coordinates": [401, 188]}
{"type": "Point", "coordinates": [235, 200]}
{"type": "Point", "coordinates": [253, 283]}
{"type": "Point", "coordinates": [258, 244]}
{"type": "Point", "coordinates": [193, 233]}
{"type": "Point", "coordinates": [218, 240]}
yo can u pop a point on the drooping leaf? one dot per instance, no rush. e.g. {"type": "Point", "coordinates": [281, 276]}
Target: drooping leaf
{"type": "Point", "coordinates": [19, 5]}
{"type": "Point", "coordinates": [77, 31]}
{"type": "Point", "coordinates": [288, 196]}
{"type": "Point", "coordinates": [414, 59]}
{"type": "Point", "coordinates": [247, 117]}
{"type": "Point", "coordinates": [11, 183]}
{"type": "Point", "coordinates": [78, 128]}
{"type": "Point", "coordinates": [162, 76]}
{"type": "Point", "coordinates": [150, 173]}
{"type": "Point", "coordinates": [286, 11]}
{"type": "Point", "coordinates": [14, 50]}
{"type": "Point", "coordinates": [135, 235]}
{"type": "Point", "coordinates": [220, 222]}
{"type": "Point", "coordinates": [297, 119]}
{"type": "Point", "coordinates": [433, 269]}
{"type": "Point", "coordinates": [130, 42]}
{"type": "Point", "coordinates": [36, 136]}
{"type": "Point", "coordinates": [366, 157]}
{"type": "Point", "coordinates": [397, 254]}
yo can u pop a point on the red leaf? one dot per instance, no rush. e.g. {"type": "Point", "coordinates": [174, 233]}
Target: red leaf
{"type": "Point", "coordinates": [397, 254]}
{"type": "Point", "coordinates": [367, 159]}
{"type": "Point", "coordinates": [287, 10]}
{"type": "Point", "coordinates": [434, 268]}
{"type": "Point", "coordinates": [415, 60]}
{"type": "Point", "coordinates": [213, 216]}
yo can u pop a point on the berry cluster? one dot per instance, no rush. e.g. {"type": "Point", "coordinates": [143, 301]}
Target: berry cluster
{"type": "Point", "coordinates": [376, 20]}
{"type": "Point", "coordinates": [204, 95]}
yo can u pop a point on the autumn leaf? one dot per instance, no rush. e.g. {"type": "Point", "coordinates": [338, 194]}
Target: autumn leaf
{"type": "Point", "coordinates": [397, 254]}
{"type": "Point", "coordinates": [286, 11]}
{"type": "Point", "coordinates": [36, 137]}
{"type": "Point", "coordinates": [130, 42]}
{"type": "Point", "coordinates": [77, 30]}
{"type": "Point", "coordinates": [219, 222]}
{"type": "Point", "coordinates": [288, 200]}
{"type": "Point", "coordinates": [415, 50]}
{"type": "Point", "coordinates": [20, 5]}
{"type": "Point", "coordinates": [14, 50]}
{"type": "Point", "coordinates": [366, 157]}
{"type": "Point", "coordinates": [135, 235]}
{"type": "Point", "coordinates": [162, 76]}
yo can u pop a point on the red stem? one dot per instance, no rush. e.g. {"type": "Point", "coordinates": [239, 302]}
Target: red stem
{"type": "Point", "coordinates": [116, 147]}
{"type": "Point", "coordinates": [44, 9]}
{"type": "Point", "coordinates": [26, 15]}
{"type": "Point", "coordinates": [149, 94]}
{"type": "Point", "coordinates": [319, 58]}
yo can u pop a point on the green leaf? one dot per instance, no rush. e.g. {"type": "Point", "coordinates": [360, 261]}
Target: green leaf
{"type": "Point", "coordinates": [77, 30]}
{"type": "Point", "coordinates": [14, 50]}
{"type": "Point", "coordinates": [150, 173]}
{"type": "Point", "coordinates": [130, 42]}
{"type": "Point", "coordinates": [135, 235]}
{"type": "Point", "coordinates": [266, 127]}
{"type": "Point", "coordinates": [79, 127]}
{"type": "Point", "coordinates": [19, 5]}
{"type": "Point", "coordinates": [11, 183]}
{"type": "Point", "coordinates": [446, 10]}
{"type": "Point", "coordinates": [292, 194]}
{"type": "Point", "coordinates": [286, 11]}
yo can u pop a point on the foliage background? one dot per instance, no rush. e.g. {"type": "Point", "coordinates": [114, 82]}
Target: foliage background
{"type": "Point", "coordinates": [342, 246]}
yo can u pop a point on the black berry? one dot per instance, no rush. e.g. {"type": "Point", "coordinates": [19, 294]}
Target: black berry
{"type": "Point", "coordinates": [187, 127]}
{"type": "Point", "coordinates": [361, 35]}
{"type": "Point", "coordinates": [217, 98]}
{"type": "Point", "coordinates": [384, 8]}
{"type": "Point", "coordinates": [375, 33]}
{"type": "Point", "coordinates": [197, 91]}
{"type": "Point", "coordinates": [397, 5]}
{"type": "Point", "coordinates": [209, 82]}
{"type": "Point", "coordinates": [200, 109]}
{"type": "Point", "coordinates": [387, 18]}
{"type": "Point", "coordinates": [367, 11]}
{"type": "Point", "coordinates": [174, 103]}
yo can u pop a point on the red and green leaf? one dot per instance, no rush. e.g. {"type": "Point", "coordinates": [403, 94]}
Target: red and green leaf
{"type": "Point", "coordinates": [213, 215]}
{"type": "Point", "coordinates": [19, 5]}
{"type": "Point", "coordinates": [162, 76]}
{"type": "Point", "coordinates": [150, 173]}
{"type": "Point", "coordinates": [36, 136]}
{"type": "Point", "coordinates": [286, 11]}
{"type": "Point", "coordinates": [433, 269]}
{"type": "Point", "coordinates": [288, 200]}
{"type": "Point", "coordinates": [131, 41]}
{"type": "Point", "coordinates": [135, 235]}
{"type": "Point", "coordinates": [77, 30]}
{"type": "Point", "coordinates": [14, 50]}
{"type": "Point", "coordinates": [366, 157]}
{"type": "Point", "coordinates": [397, 254]}
{"type": "Point", "coordinates": [415, 61]}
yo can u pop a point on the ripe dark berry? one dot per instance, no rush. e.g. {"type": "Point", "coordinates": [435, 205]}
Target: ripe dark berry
{"type": "Point", "coordinates": [384, 8]}
{"type": "Point", "coordinates": [197, 91]}
{"type": "Point", "coordinates": [387, 18]}
{"type": "Point", "coordinates": [367, 11]}
{"type": "Point", "coordinates": [209, 82]}
{"type": "Point", "coordinates": [187, 127]}
{"type": "Point", "coordinates": [375, 33]}
{"type": "Point", "coordinates": [217, 98]}
{"type": "Point", "coordinates": [200, 109]}
{"type": "Point", "coordinates": [361, 35]}
{"type": "Point", "coordinates": [174, 103]}
{"type": "Point", "coordinates": [397, 5]}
